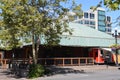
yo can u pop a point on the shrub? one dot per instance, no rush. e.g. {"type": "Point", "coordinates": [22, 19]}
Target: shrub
{"type": "Point", "coordinates": [47, 71]}
{"type": "Point", "coordinates": [36, 70]}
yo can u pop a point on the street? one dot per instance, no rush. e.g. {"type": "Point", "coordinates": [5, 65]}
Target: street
{"type": "Point", "coordinates": [95, 72]}
{"type": "Point", "coordinates": [96, 75]}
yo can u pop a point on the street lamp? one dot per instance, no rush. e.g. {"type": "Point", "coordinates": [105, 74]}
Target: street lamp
{"type": "Point", "coordinates": [116, 51]}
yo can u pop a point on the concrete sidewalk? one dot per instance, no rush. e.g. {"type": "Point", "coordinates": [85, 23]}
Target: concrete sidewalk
{"type": "Point", "coordinates": [92, 67]}
{"type": "Point", "coordinates": [95, 68]}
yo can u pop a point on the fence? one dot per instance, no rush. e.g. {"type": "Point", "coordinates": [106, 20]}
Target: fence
{"type": "Point", "coordinates": [66, 61]}
{"type": "Point", "coordinates": [3, 63]}
{"type": "Point", "coordinates": [77, 61]}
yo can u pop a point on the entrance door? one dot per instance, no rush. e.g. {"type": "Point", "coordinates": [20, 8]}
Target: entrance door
{"type": "Point", "coordinates": [98, 57]}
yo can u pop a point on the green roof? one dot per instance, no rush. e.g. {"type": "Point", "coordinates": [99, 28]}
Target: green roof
{"type": "Point", "coordinates": [86, 37]}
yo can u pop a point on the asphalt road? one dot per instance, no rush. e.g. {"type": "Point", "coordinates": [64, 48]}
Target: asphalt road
{"type": "Point", "coordinates": [100, 72]}
{"type": "Point", "coordinates": [95, 75]}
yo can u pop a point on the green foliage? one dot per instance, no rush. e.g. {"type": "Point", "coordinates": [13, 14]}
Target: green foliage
{"type": "Point", "coordinates": [77, 10]}
{"type": "Point", "coordinates": [36, 70]}
{"type": "Point", "coordinates": [95, 7]}
{"type": "Point", "coordinates": [23, 20]}
{"type": "Point", "coordinates": [112, 4]}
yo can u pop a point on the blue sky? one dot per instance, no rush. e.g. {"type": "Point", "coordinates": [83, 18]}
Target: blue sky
{"type": "Point", "coordinates": [86, 4]}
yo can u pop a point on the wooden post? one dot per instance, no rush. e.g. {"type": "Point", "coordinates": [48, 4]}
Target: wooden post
{"type": "Point", "coordinates": [5, 65]}
{"type": "Point", "coordinates": [79, 61]}
{"type": "Point", "coordinates": [86, 61]}
{"type": "Point", "coordinates": [63, 62]}
{"type": "Point", "coordinates": [71, 61]}
{"type": "Point", "coordinates": [54, 61]}
{"type": "Point", "coordinates": [93, 61]}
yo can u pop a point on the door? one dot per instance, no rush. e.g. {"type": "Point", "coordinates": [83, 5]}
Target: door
{"type": "Point", "coordinates": [98, 57]}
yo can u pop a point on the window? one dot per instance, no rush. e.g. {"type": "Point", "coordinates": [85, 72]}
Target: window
{"type": "Point", "coordinates": [85, 15]}
{"type": "Point", "coordinates": [101, 28]}
{"type": "Point", "coordinates": [108, 29]}
{"type": "Point", "coordinates": [92, 16]}
{"type": "Point", "coordinates": [102, 18]}
{"type": "Point", "coordinates": [101, 12]}
{"type": "Point", "coordinates": [75, 17]}
{"type": "Point", "coordinates": [108, 25]}
{"type": "Point", "coordinates": [92, 22]}
{"type": "Point", "coordinates": [108, 18]}
{"type": "Point", "coordinates": [81, 22]}
{"type": "Point", "coordinates": [101, 23]}
{"type": "Point", "coordinates": [86, 22]}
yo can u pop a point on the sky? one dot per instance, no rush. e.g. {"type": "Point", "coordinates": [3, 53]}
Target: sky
{"type": "Point", "coordinates": [86, 4]}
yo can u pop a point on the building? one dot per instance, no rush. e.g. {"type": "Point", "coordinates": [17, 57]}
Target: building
{"type": "Point", "coordinates": [85, 46]}
{"type": "Point", "coordinates": [96, 19]}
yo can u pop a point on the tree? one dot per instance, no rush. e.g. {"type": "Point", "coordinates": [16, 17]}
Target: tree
{"type": "Point", "coordinates": [26, 20]}
{"type": "Point", "coordinates": [112, 4]}
{"type": "Point", "coordinates": [18, 23]}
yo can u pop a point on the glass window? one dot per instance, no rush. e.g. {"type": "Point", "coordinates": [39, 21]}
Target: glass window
{"type": "Point", "coordinates": [101, 28]}
{"type": "Point", "coordinates": [86, 22]}
{"type": "Point", "coordinates": [108, 25]}
{"type": "Point", "coordinates": [101, 12]}
{"type": "Point", "coordinates": [85, 15]}
{"type": "Point", "coordinates": [102, 23]}
{"type": "Point", "coordinates": [108, 29]}
{"type": "Point", "coordinates": [101, 17]}
{"type": "Point", "coordinates": [92, 16]}
{"type": "Point", "coordinates": [108, 18]}
{"type": "Point", "coordinates": [92, 22]}
{"type": "Point", "coordinates": [75, 17]}
{"type": "Point", "coordinates": [81, 22]}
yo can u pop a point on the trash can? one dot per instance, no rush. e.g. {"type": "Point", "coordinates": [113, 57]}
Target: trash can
{"type": "Point", "coordinates": [23, 73]}
{"type": "Point", "coordinates": [23, 70]}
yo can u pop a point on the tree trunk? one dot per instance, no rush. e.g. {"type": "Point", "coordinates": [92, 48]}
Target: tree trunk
{"type": "Point", "coordinates": [34, 50]}
{"type": "Point", "coordinates": [37, 47]}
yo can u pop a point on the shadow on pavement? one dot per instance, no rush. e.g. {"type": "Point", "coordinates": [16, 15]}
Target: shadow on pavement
{"type": "Point", "coordinates": [54, 70]}
{"type": "Point", "coordinates": [7, 73]}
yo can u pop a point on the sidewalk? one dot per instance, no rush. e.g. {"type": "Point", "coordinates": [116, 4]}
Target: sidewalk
{"type": "Point", "coordinates": [4, 73]}
{"type": "Point", "coordinates": [93, 67]}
